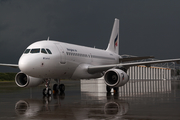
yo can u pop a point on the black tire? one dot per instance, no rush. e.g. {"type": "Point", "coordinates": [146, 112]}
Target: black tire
{"type": "Point", "coordinates": [55, 88]}
{"type": "Point", "coordinates": [108, 88]}
{"type": "Point", "coordinates": [44, 92]}
{"type": "Point", "coordinates": [116, 89]}
{"type": "Point", "coordinates": [62, 87]}
{"type": "Point", "coordinates": [49, 92]}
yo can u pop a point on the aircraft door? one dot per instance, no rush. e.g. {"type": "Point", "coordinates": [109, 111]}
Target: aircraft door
{"type": "Point", "coordinates": [62, 54]}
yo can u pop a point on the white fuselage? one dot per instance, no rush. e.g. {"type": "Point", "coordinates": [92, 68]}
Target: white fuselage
{"type": "Point", "coordinates": [65, 60]}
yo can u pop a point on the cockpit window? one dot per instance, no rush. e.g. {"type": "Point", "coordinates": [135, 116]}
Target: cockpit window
{"type": "Point", "coordinates": [35, 50]}
{"type": "Point", "coordinates": [43, 51]}
{"type": "Point", "coordinates": [38, 50]}
{"type": "Point", "coordinates": [49, 51]}
{"type": "Point", "coordinates": [26, 51]}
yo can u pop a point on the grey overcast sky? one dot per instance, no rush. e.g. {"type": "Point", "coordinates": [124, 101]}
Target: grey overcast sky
{"type": "Point", "coordinates": [147, 27]}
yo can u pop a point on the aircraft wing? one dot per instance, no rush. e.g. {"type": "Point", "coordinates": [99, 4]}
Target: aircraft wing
{"type": "Point", "coordinates": [9, 65]}
{"type": "Point", "coordinates": [100, 68]}
{"type": "Point", "coordinates": [134, 58]}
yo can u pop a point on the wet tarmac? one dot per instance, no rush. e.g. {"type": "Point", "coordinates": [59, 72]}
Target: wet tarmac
{"type": "Point", "coordinates": [88, 100]}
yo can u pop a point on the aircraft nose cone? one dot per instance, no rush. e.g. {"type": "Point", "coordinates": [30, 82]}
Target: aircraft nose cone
{"type": "Point", "coordinates": [24, 65]}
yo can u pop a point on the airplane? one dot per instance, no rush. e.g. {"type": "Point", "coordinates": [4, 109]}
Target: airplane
{"type": "Point", "coordinates": [45, 60]}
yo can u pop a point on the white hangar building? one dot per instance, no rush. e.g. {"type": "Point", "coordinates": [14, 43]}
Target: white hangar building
{"type": "Point", "coordinates": [149, 73]}
{"type": "Point", "coordinates": [156, 71]}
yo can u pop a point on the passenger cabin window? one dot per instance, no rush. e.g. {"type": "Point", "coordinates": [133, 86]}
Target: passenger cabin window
{"type": "Point", "coordinates": [43, 51]}
{"type": "Point", "coordinates": [35, 50]}
{"type": "Point", "coordinates": [49, 51]}
{"type": "Point", "coordinates": [26, 51]}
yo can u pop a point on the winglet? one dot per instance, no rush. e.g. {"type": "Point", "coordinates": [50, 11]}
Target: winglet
{"type": "Point", "coordinates": [113, 45]}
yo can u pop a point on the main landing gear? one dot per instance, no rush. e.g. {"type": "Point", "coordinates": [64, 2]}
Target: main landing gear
{"type": "Point", "coordinates": [108, 89]}
{"type": "Point", "coordinates": [56, 88]}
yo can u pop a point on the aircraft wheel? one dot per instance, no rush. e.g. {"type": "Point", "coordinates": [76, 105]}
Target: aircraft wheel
{"type": "Point", "coordinates": [108, 88]}
{"type": "Point", "coordinates": [44, 92]}
{"type": "Point", "coordinates": [116, 89]}
{"type": "Point", "coordinates": [55, 88]}
{"type": "Point", "coordinates": [47, 92]}
{"type": "Point", "coordinates": [62, 87]}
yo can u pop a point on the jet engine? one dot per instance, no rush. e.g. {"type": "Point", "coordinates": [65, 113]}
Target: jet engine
{"type": "Point", "coordinates": [115, 77]}
{"type": "Point", "coordinates": [23, 80]}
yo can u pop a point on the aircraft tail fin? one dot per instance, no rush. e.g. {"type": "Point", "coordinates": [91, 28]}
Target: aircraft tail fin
{"type": "Point", "coordinates": [113, 45]}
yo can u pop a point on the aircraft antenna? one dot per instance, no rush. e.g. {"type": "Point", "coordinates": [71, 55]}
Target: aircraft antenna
{"type": "Point", "coordinates": [48, 39]}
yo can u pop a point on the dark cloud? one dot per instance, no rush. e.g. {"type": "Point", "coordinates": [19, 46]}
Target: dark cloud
{"type": "Point", "coordinates": [3, 27]}
{"type": "Point", "coordinates": [147, 27]}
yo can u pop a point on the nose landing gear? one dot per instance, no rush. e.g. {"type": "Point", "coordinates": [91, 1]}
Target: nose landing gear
{"type": "Point", "coordinates": [108, 89]}
{"type": "Point", "coordinates": [57, 88]}
{"type": "Point", "coordinates": [47, 91]}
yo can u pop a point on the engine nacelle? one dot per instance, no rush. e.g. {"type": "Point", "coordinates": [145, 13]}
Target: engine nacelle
{"type": "Point", "coordinates": [115, 78]}
{"type": "Point", "coordinates": [23, 80]}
